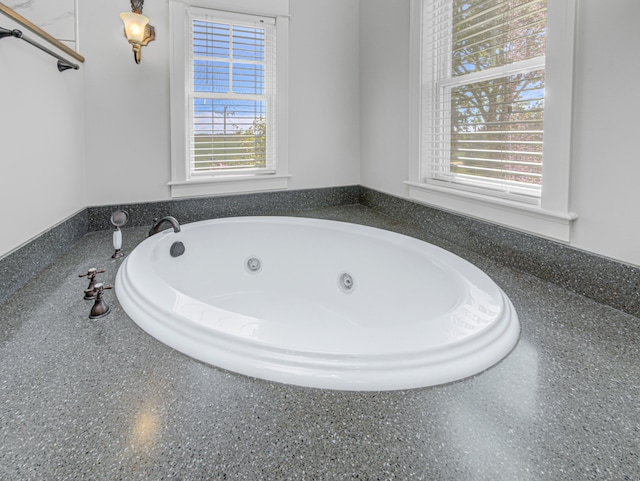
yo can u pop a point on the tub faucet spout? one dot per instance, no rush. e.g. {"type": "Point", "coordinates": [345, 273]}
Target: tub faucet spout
{"type": "Point", "coordinates": [157, 225]}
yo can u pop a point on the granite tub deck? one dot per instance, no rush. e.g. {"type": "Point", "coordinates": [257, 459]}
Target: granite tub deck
{"type": "Point", "coordinates": [102, 400]}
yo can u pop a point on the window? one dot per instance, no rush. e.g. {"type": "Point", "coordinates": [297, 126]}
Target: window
{"type": "Point", "coordinates": [488, 133]}
{"type": "Point", "coordinates": [487, 89]}
{"type": "Point", "coordinates": [231, 95]}
{"type": "Point", "coordinates": [228, 105]}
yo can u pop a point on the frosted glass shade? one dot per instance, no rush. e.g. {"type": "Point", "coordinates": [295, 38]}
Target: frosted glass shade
{"type": "Point", "coordinates": [134, 26]}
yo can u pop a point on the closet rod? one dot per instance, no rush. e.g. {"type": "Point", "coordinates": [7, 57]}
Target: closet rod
{"type": "Point", "coordinates": [63, 64]}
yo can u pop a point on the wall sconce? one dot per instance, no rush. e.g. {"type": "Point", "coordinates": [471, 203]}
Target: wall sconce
{"type": "Point", "coordinates": [137, 28]}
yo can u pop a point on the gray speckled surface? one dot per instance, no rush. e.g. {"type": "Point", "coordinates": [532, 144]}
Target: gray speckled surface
{"type": "Point", "coordinates": [200, 208]}
{"type": "Point", "coordinates": [101, 399]}
{"type": "Point", "coordinates": [20, 265]}
{"type": "Point", "coordinates": [604, 280]}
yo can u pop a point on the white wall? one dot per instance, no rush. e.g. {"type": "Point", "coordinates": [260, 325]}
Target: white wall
{"type": "Point", "coordinates": [606, 159]}
{"type": "Point", "coordinates": [604, 133]}
{"type": "Point", "coordinates": [324, 94]}
{"type": "Point", "coordinates": [126, 105]}
{"type": "Point", "coordinates": [128, 146]}
{"type": "Point", "coordinates": [349, 83]}
{"type": "Point", "coordinates": [384, 94]}
{"type": "Point", "coordinates": [42, 176]}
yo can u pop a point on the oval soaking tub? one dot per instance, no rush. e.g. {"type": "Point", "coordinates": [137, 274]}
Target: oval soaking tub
{"type": "Point", "coordinates": [318, 303]}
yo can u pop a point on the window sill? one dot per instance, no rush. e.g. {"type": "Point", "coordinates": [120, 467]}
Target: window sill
{"type": "Point", "coordinates": [516, 215]}
{"type": "Point", "coordinates": [228, 185]}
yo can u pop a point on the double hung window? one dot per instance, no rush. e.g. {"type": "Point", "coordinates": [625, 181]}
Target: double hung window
{"type": "Point", "coordinates": [487, 130]}
{"type": "Point", "coordinates": [231, 95]}
{"type": "Point", "coordinates": [228, 96]}
{"type": "Point", "coordinates": [484, 71]}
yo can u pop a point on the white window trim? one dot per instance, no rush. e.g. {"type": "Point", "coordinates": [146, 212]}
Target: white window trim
{"type": "Point", "coordinates": [182, 183]}
{"type": "Point", "coordinates": [552, 218]}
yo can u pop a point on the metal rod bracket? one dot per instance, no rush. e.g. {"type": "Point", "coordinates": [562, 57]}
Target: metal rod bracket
{"type": "Point", "coordinates": [63, 64]}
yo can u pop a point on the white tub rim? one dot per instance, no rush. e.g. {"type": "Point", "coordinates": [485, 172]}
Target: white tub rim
{"type": "Point", "coordinates": [333, 370]}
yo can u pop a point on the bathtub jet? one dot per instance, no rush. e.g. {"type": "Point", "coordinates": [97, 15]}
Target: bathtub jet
{"type": "Point", "coordinates": [318, 303]}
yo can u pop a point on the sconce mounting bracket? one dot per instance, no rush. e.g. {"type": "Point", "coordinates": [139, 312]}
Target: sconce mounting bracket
{"type": "Point", "coordinates": [136, 6]}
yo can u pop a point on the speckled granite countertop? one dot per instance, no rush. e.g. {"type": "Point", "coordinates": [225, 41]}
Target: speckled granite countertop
{"type": "Point", "coordinates": [102, 400]}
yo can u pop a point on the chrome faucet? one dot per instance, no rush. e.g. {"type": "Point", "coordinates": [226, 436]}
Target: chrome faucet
{"type": "Point", "coordinates": [157, 225]}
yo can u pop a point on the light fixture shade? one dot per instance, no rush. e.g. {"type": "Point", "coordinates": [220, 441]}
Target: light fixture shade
{"type": "Point", "coordinates": [134, 26]}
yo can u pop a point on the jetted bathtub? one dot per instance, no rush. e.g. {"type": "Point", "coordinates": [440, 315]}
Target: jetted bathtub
{"type": "Point", "coordinates": [317, 303]}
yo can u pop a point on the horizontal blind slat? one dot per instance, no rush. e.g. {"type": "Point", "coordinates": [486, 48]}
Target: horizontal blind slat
{"type": "Point", "coordinates": [489, 126]}
{"type": "Point", "coordinates": [233, 77]}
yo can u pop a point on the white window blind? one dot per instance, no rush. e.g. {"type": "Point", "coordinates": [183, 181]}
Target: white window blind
{"type": "Point", "coordinates": [232, 94]}
{"type": "Point", "coordinates": [483, 78]}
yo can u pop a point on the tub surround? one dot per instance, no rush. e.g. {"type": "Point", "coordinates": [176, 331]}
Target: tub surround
{"type": "Point", "coordinates": [605, 280]}
{"type": "Point", "coordinates": [101, 399]}
{"type": "Point", "coordinates": [22, 264]}
{"type": "Point", "coordinates": [203, 208]}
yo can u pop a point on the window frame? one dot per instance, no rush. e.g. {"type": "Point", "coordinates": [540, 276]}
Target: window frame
{"type": "Point", "coordinates": [550, 216]}
{"type": "Point", "coordinates": [183, 182]}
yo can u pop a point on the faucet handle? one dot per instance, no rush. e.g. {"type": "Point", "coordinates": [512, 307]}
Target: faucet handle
{"type": "Point", "coordinates": [92, 272]}
{"type": "Point", "coordinates": [90, 291]}
{"type": "Point", "coordinates": [100, 287]}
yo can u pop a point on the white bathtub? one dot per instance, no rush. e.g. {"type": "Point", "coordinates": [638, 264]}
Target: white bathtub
{"type": "Point", "coordinates": [268, 297]}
